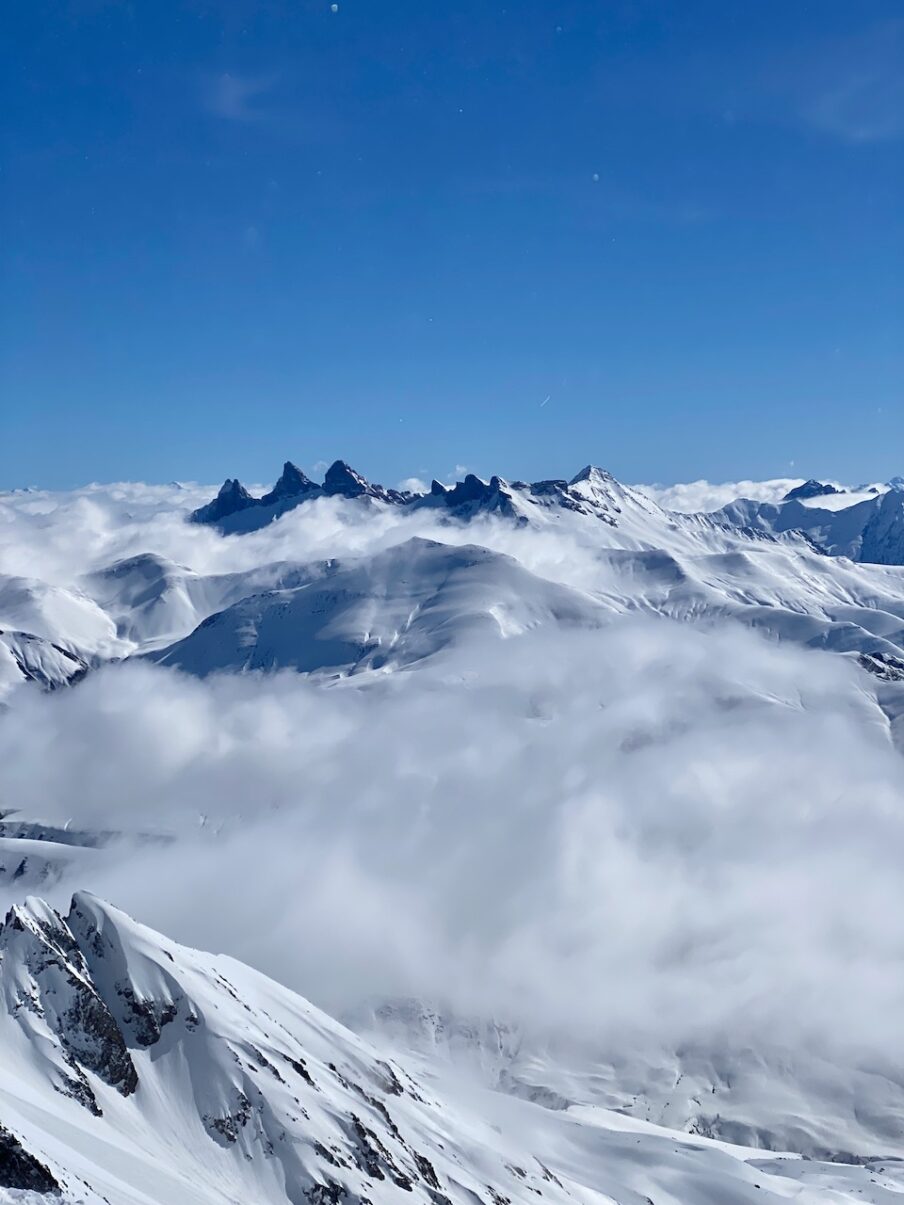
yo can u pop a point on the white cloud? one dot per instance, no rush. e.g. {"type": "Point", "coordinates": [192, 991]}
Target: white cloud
{"type": "Point", "coordinates": [521, 826]}
{"type": "Point", "coordinates": [236, 97]}
{"type": "Point", "coordinates": [859, 94]}
{"type": "Point", "coordinates": [415, 484]}
{"type": "Point", "coordinates": [656, 826]}
{"type": "Point", "coordinates": [691, 496]}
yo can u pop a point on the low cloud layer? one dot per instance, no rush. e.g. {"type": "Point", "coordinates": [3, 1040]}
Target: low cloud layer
{"type": "Point", "coordinates": [692, 496]}
{"type": "Point", "coordinates": [654, 829]}
{"type": "Point", "coordinates": [659, 828]}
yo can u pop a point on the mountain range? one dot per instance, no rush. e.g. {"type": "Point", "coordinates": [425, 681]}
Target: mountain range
{"type": "Point", "coordinates": [783, 568]}
{"type": "Point", "coordinates": [866, 524]}
{"type": "Point", "coordinates": [135, 1070]}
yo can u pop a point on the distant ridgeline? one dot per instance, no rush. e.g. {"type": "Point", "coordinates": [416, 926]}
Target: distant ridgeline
{"type": "Point", "coordinates": [592, 491]}
{"type": "Point", "coordinates": [868, 528]}
{"type": "Point", "coordinates": [866, 524]}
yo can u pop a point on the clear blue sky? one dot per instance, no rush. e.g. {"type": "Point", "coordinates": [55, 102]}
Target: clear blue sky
{"type": "Point", "coordinates": [237, 232]}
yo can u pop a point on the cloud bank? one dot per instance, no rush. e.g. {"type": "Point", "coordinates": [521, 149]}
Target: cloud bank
{"type": "Point", "coordinates": [656, 830]}
{"type": "Point", "coordinates": [691, 496]}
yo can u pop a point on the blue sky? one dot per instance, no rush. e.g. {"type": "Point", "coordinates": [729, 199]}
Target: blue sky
{"type": "Point", "coordinates": [239, 232]}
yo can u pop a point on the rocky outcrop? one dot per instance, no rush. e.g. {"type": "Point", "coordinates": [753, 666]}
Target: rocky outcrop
{"type": "Point", "coordinates": [45, 974]}
{"type": "Point", "coordinates": [811, 489]}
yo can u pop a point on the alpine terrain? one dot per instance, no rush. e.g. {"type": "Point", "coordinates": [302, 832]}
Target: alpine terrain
{"type": "Point", "coordinates": [578, 820]}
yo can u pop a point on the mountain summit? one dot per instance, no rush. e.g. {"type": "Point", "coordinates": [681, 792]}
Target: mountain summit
{"type": "Point", "coordinates": [293, 483]}
{"type": "Point", "coordinates": [235, 510]}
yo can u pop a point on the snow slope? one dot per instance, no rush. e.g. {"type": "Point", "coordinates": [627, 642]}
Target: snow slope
{"type": "Point", "coordinates": [767, 1097]}
{"type": "Point", "coordinates": [383, 612]}
{"type": "Point", "coordinates": [869, 530]}
{"type": "Point", "coordinates": [138, 1072]}
{"type": "Point", "coordinates": [153, 601]}
{"type": "Point", "coordinates": [50, 634]}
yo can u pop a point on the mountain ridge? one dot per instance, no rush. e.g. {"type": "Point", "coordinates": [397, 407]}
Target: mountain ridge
{"type": "Point", "coordinates": [136, 1071]}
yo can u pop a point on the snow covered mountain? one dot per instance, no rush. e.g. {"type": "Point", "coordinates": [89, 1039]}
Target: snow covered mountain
{"type": "Point", "coordinates": [764, 565]}
{"type": "Point", "coordinates": [151, 600]}
{"type": "Point", "coordinates": [870, 529]}
{"type": "Point", "coordinates": [136, 1071]}
{"type": "Point", "coordinates": [765, 1097]}
{"type": "Point", "coordinates": [497, 709]}
{"type": "Point", "coordinates": [592, 492]}
{"type": "Point", "coordinates": [399, 606]}
{"type": "Point", "coordinates": [51, 634]}
{"type": "Point", "coordinates": [28, 658]}
{"type": "Point", "coordinates": [383, 612]}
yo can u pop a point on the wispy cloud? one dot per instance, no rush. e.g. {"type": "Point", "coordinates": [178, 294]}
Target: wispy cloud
{"type": "Point", "coordinates": [857, 94]}
{"type": "Point", "coordinates": [236, 97]}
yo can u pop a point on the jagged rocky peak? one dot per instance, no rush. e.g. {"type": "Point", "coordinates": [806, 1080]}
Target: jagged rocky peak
{"type": "Point", "coordinates": [474, 489]}
{"type": "Point", "coordinates": [234, 509]}
{"type": "Point", "coordinates": [341, 478]}
{"type": "Point", "coordinates": [811, 489]}
{"type": "Point", "coordinates": [593, 492]}
{"type": "Point", "coordinates": [232, 498]}
{"type": "Point", "coordinates": [233, 491]}
{"type": "Point", "coordinates": [291, 484]}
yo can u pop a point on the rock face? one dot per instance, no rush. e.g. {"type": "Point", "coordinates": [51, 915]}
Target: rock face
{"type": "Point", "coordinates": [21, 1170]}
{"type": "Point", "coordinates": [342, 479]}
{"type": "Point", "coordinates": [293, 483]}
{"type": "Point", "coordinates": [232, 498]}
{"type": "Point", "coordinates": [47, 981]}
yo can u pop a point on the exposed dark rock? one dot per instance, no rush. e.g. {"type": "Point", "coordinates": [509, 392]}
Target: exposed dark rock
{"type": "Point", "coordinates": [145, 1018]}
{"type": "Point", "coordinates": [293, 483]}
{"type": "Point", "coordinates": [329, 1193]}
{"type": "Point", "coordinates": [300, 1068]}
{"type": "Point", "coordinates": [426, 1170]}
{"type": "Point", "coordinates": [883, 666]}
{"type": "Point", "coordinates": [20, 1169]}
{"type": "Point", "coordinates": [372, 1157]}
{"type": "Point", "coordinates": [390, 1082]}
{"type": "Point", "coordinates": [229, 1125]}
{"type": "Point", "coordinates": [76, 1087]}
{"type": "Point", "coordinates": [811, 489]}
{"type": "Point", "coordinates": [342, 479]}
{"type": "Point", "coordinates": [232, 497]}
{"type": "Point", "coordinates": [88, 1034]}
{"type": "Point", "coordinates": [92, 1037]}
